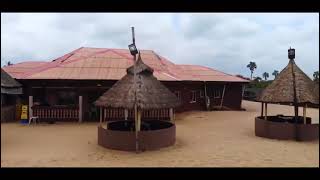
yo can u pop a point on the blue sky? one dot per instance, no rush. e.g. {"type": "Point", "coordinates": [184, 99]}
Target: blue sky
{"type": "Point", "coordinates": [223, 41]}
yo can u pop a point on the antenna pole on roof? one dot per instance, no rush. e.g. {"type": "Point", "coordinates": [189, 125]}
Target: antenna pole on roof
{"type": "Point", "coordinates": [135, 93]}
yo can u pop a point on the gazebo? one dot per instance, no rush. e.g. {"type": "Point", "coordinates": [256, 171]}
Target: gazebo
{"type": "Point", "coordinates": [146, 93]}
{"type": "Point", "coordinates": [292, 87]}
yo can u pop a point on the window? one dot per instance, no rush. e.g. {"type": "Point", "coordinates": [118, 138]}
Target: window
{"type": "Point", "coordinates": [201, 93]}
{"type": "Point", "coordinates": [216, 93]}
{"type": "Point", "coordinates": [177, 93]}
{"type": "Point", "coordinates": [66, 98]}
{"type": "Point", "coordinates": [193, 96]}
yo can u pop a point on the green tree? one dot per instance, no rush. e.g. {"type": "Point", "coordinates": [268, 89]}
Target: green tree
{"type": "Point", "coordinates": [265, 75]}
{"type": "Point", "coordinates": [275, 73]}
{"type": "Point", "coordinates": [316, 76]}
{"type": "Point", "coordinates": [252, 66]}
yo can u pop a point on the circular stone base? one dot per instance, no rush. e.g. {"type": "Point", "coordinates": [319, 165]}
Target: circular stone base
{"type": "Point", "coordinates": [283, 127]}
{"type": "Point", "coordinates": [121, 135]}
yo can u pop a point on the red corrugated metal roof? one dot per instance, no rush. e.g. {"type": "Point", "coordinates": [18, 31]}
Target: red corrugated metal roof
{"type": "Point", "coordinates": [110, 64]}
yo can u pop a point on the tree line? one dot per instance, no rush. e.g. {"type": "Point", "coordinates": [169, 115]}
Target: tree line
{"type": "Point", "coordinates": [252, 66]}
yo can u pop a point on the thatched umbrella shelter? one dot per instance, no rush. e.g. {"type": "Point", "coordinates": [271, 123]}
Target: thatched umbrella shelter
{"type": "Point", "coordinates": [10, 89]}
{"type": "Point", "coordinates": [150, 93]}
{"type": "Point", "coordinates": [9, 85]}
{"type": "Point", "coordinates": [146, 93]}
{"type": "Point", "coordinates": [291, 86]}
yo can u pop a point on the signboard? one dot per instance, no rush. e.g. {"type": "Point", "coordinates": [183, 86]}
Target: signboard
{"type": "Point", "coordinates": [24, 112]}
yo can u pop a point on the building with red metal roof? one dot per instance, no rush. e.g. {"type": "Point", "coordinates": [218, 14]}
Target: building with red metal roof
{"type": "Point", "coordinates": [88, 72]}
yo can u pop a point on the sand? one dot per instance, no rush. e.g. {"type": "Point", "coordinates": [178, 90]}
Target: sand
{"type": "Point", "coordinates": [204, 139]}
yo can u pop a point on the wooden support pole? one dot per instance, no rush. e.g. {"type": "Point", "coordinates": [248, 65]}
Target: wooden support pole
{"type": "Point", "coordinates": [125, 114]}
{"type": "Point", "coordinates": [261, 109]}
{"type": "Point", "coordinates": [139, 119]}
{"type": "Point", "coordinates": [30, 106]}
{"type": "Point", "coordinates": [80, 109]}
{"type": "Point", "coordinates": [305, 114]}
{"type": "Point", "coordinates": [243, 88]}
{"type": "Point", "coordinates": [221, 102]}
{"type": "Point", "coordinates": [266, 107]}
{"type": "Point", "coordinates": [100, 116]}
{"type": "Point", "coordinates": [171, 114]}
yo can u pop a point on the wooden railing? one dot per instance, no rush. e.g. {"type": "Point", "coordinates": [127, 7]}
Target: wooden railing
{"type": "Point", "coordinates": [111, 114]}
{"type": "Point", "coordinates": [56, 112]}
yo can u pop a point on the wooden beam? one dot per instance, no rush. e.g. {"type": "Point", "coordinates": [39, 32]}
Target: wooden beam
{"type": "Point", "coordinates": [171, 114]}
{"type": "Point", "coordinates": [305, 114]}
{"type": "Point", "coordinates": [101, 116]}
{"type": "Point", "coordinates": [243, 88]}
{"type": "Point", "coordinates": [261, 109]}
{"type": "Point", "coordinates": [139, 120]}
{"type": "Point", "coordinates": [125, 114]}
{"type": "Point", "coordinates": [222, 98]}
{"type": "Point", "coordinates": [266, 107]}
{"type": "Point", "coordinates": [30, 106]}
{"type": "Point", "coordinates": [80, 109]}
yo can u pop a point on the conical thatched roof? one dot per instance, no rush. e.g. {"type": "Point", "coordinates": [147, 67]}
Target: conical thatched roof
{"type": "Point", "coordinates": [281, 90]}
{"type": "Point", "coordinates": [151, 93]}
{"type": "Point", "coordinates": [9, 85]}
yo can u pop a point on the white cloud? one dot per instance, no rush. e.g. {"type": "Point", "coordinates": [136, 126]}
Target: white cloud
{"type": "Point", "coordinates": [224, 41]}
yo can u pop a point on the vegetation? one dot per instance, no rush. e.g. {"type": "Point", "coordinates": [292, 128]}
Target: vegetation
{"type": "Point", "coordinates": [316, 76]}
{"type": "Point", "coordinates": [275, 73]}
{"type": "Point", "coordinates": [252, 66]}
{"type": "Point", "coordinates": [265, 75]}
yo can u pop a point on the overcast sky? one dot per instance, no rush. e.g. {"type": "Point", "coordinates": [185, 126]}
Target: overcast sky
{"type": "Point", "coordinates": [224, 41]}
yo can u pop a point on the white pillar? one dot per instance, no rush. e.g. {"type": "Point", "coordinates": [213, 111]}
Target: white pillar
{"type": "Point", "coordinates": [80, 109]}
{"type": "Point", "coordinates": [30, 105]}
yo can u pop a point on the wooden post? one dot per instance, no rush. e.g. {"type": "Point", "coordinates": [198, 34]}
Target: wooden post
{"type": "Point", "coordinates": [205, 95]}
{"type": "Point", "coordinates": [266, 106]}
{"type": "Point", "coordinates": [80, 109]}
{"type": "Point", "coordinates": [261, 109]}
{"type": "Point", "coordinates": [243, 88]}
{"type": "Point", "coordinates": [221, 102]}
{"type": "Point", "coordinates": [100, 116]}
{"type": "Point", "coordinates": [305, 113]}
{"type": "Point", "coordinates": [30, 106]}
{"type": "Point", "coordinates": [139, 120]}
{"type": "Point", "coordinates": [171, 114]}
{"type": "Point", "coordinates": [125, 114]}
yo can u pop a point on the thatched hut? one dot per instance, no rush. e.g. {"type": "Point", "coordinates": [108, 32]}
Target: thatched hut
{"type": "Point", "coordinates": [10, 89]}
{"type": "Point", "coordinates": [145, 93]}
{"type": "Point", "coordinates": [292, 86]}
{"type": "Point", "coordinates": [291, 80]}
{"type": "Point", "coordinates": [150, 93]}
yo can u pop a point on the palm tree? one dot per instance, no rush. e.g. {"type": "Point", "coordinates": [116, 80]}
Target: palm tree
{"type": "Point", "coordinates": [316, 76]}
{"type": "Point", "coordinates": [275, 73]}
{"type": "Point", "coordinates": [265, 75]}
{"type": "Point", "coordinates": [252, 66]}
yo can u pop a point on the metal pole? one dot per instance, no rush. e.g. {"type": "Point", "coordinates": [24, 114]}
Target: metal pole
{"type": "Point", "coordinates": [135, 93]}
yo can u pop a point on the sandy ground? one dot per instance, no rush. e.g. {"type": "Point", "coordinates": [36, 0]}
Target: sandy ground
{"type": "Point", "coordinates": [214, 139]}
